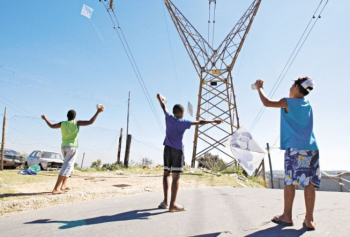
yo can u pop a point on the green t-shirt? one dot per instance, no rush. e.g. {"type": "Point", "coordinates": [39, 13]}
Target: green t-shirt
{"type": "Point", "coordinates": [70, 130]}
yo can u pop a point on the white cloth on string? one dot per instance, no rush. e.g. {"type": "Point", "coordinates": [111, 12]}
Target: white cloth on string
{"type": "Point", "coordinates": [245, 150]}
{"type": "Point", "coordinates": [87, 11]}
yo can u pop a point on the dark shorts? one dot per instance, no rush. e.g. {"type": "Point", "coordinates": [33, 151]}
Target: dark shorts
{"type": "Point", "coordinates": [173, 159]}
{"type": "Point", "coordinates": [302, 167]}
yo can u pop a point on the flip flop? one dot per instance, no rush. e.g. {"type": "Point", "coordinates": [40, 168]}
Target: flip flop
{"type": "Point", "coordinates": [162, 206]}
{"type": "Point", "coordinates": [179, 209]}
{"type": "Point", "coordinates": [66, 189]}
{"type": "Point", "coordinates": [57, 193]}
{"type": "Point", "coordinates": [277, 220]}
{"type": "Point", "coordinates": [308, 228]}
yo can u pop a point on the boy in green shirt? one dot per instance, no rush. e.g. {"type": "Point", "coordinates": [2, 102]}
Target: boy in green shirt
{"type": "Point", "coordinates": [70, 131]}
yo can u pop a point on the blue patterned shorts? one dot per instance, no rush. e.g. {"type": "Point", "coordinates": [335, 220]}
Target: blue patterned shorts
{"type": "Point", "coordinates": [301, 167]}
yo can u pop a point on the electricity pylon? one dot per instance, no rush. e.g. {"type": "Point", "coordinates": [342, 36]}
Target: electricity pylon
{"type": "Point", "coordinates": [216, 97]}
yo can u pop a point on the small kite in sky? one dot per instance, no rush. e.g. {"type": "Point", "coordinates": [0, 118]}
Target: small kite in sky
{"type": "Point", "coordinates": [87, 11]}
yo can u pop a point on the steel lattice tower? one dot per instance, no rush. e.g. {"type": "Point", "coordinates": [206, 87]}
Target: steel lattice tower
{"type": "Point", "coordinates": [216, 96]}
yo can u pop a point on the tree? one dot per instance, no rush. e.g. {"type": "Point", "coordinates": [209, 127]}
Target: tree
{"type": "Point", "coordinates": [96, 164]}
{"type": "Point", "coordinates": [147, 161]}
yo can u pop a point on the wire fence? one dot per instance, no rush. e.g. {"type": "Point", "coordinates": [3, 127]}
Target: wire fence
{"type": "Point", "coordinates": [25, 134]}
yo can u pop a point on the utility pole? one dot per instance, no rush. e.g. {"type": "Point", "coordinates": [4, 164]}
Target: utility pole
{"type": "Point", "coordinates": [3, 141]}
{"type": "Point", "coordinates": [82, 161]}
{"type": "Point", "coordinates": [127, 124]}
{"type": "Point", "coordinates": [120, 145]}
{"type": "Point", "coordinates": [216, 96]}
{"type": "Point", "coordinates": [128, 139]}
{"type": "Point", "coordinates": [271, 173]}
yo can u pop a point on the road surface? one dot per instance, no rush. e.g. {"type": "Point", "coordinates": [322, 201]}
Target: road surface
{"type": "Point", "coordinates": [211, 212]}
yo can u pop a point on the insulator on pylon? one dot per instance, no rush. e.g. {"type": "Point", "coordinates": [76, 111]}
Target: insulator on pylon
{"type": "Point", "coordinates": [118, 27]}
{"type": "Point", "coordinates": [113, 27]}
{"type": "Point", "coordinates": [319, 16]}
{"type": "Point", "coordinates": [313, 17]}
{"type": "Point", "coordinates": [208, 21]}
{"type": "Point", "coordinates": [213, 21]}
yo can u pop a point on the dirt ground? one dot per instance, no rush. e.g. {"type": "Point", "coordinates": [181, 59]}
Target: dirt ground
{"type": "Point", "coordinates": [24, 192]}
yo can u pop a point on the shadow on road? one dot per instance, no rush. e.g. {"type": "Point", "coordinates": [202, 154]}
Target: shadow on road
{"type": "Point", "coordinates": [211, 234]}
{"type": "Point", "coordinates": [278, 231]}
{"type": "Point", "coordinates": [22, 194]}
{"type": "Point", "coordinates": [125, 216]}
{"type": "Point", "coordinates": [121, 185]}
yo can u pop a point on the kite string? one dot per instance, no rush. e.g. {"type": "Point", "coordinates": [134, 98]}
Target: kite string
{"type": "Point", "coordinates": [98, 32]}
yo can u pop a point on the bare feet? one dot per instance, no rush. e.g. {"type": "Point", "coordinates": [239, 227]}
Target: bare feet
{"type": "Point", "coordinates": [55, 192]}
{"type": "Point", "coordinates": [65, 189]}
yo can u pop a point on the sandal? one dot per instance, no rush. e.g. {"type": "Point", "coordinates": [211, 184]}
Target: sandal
{"type": "Point", "coordinates": [308, 228]}
{"type": "Point", "coordinates": [178, 209]}
{"type": "Point", "coordinates": [162, 206]}
{"type": "Point", "coordinates": [277, 220]}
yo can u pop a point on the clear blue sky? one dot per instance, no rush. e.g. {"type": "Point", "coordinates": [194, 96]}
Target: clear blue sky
{"type": "Point", "coordinates": [77, 69]}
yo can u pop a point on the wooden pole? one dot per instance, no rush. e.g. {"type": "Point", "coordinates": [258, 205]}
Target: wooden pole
{"type": "Point", "coordinates": [82, 161]}
{"type": "Point", "coordinates": [120, 145]}
{"type": "Point", "coordinates": [263, 170]}
{"type": "Point", "coordinates": [127, 125]}
{"type": "Point", "coordinates": [3, 141]}
{"type": "Point", "coordinates": [127, 151]}
{"type": "Point", "coordinates": [271, 173]}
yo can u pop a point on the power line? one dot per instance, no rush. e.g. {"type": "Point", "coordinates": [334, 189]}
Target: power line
{"type": "Point", "coordinates": [290, 61]}
{"type": "Point", "coordinates": [171, 50]}
{"type": "Point", "coordinates": [212, 42]}
{"type": "Point", "coordinates": [72, 93]}
{"type": "Point", "coordinates": [133, 64]}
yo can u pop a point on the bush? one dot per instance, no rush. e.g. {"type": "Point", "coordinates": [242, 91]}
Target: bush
{"type": "Point", "coordinates": [111, 167]}
{"type": "Point", "coordinates": [146, 161]}
{"type": "Point", "coordinates": [96, 164]}
{"type": "Point", "coordinates": [211, 162]}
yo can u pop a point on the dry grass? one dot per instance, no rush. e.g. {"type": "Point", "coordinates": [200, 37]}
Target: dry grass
{"type": "Point", "coordinates": [25, 192]}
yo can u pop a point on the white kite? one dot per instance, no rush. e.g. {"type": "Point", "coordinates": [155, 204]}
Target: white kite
{"type": "Point", "coordinates": [245, 150]}
{"type": "Point", "coordinates": [190, 109]}
{"type": "Point", "coordinates": [87, 11]}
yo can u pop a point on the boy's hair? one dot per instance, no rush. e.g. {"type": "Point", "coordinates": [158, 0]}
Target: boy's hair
{"type": "Point", "coordinates": [178, 109]}
{"type": "Point", "coordinates": [71, 114]}
{"type": "Point", "coordinates": [302, 90]}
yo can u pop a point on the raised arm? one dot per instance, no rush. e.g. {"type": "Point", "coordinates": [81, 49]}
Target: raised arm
{"type": "Point", "coordinates": [92, 120]}
{"type": "Point", "coordinates": [282, 103]}
{"type": "Point", "coordinates": [202, 122]}
{"type": "Point", "coordinates": [162, 104]}
{"type": "Point", "coordinates": [56, 125]}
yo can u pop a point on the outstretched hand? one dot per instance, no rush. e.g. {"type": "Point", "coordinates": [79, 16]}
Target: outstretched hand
{"type": "Point", "coordinates": [100, 109]}
{"type": "Point", "coordinates": [43, 117]}
{"type": "Point", "coordinates": [158, 97]}
{"type": "Point", "coordinates": [217, 121]}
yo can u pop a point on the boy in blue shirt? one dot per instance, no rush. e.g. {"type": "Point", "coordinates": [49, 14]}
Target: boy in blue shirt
{"type": "Point", "coordinates": [301, 159]}
{"type": "Point", "coordinates": [173, 151]}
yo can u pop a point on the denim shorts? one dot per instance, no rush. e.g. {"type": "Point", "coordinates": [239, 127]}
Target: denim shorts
{"type": "Point", "coordinates": [69, 155]}
{"type": "Point", "coordinates": [302, 167]}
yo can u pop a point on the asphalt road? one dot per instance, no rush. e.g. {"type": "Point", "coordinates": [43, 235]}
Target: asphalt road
{"type": "Point", "coordinates": [211, 212]}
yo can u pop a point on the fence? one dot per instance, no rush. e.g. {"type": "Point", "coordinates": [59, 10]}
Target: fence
{"type": "Point", "coordinates": [337, 183]}
{"type": "Point", "coordinates": [25, 134]}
